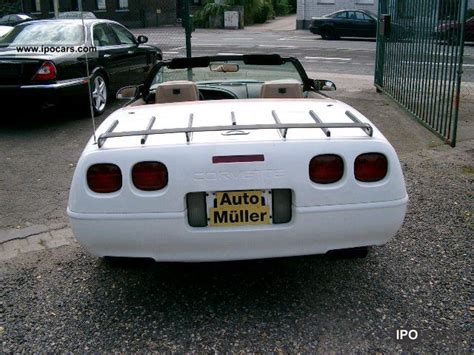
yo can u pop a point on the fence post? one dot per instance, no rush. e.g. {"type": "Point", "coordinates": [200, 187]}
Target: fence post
{"type": "Point", "coordinates": [188, 27]}
{"type": "Point", "coordinates": [459, 74]}
{"type": "Point", "coordinates": [380, 57]}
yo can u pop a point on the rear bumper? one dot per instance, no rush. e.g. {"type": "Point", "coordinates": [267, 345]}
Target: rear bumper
{"type": "Point", "coordinates": [45, 94]}
{"type": "Point", "coordinates": [315, 30]}
{"type": "Point", "coordinates": [168, 237]}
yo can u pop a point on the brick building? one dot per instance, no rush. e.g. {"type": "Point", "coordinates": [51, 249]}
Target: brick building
{"type": "Point", "coordinates": [131, 13]}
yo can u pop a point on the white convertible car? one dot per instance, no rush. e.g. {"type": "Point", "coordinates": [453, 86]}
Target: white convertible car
{"type": "Point", "coordinates": [235, 157]}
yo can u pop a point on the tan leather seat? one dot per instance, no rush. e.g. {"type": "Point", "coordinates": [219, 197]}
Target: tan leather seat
{"type": "Point", "coordinates": [176, 91]}
{"type": "Point", "coordinates": [282, 89]}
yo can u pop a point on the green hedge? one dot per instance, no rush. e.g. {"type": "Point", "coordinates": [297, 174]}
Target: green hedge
{"type": "Point", "coordinates": [255, 11]}
{"type": "Point", "coordinates": [9, 7]}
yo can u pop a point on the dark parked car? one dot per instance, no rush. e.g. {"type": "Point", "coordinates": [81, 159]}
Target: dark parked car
{"type": "Point", "coordinates": [345, 23]}
{"type": "Point", "coordinates": [14, 19]}
{"type": "Point", "coordinates": [50, 78]}
{"type": "Point", "coordinates": [449, 31]}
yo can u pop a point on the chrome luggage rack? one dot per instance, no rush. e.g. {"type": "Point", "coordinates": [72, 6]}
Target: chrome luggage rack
{"type": "Point", "coordinates": [236, 129]}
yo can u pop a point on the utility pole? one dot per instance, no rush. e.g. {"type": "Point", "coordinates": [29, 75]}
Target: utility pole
{"type": "Point", "coordinates": [56, 8]}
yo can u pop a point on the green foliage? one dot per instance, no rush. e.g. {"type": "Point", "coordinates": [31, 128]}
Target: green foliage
{"type": "Point", "coordinates": [470, 13]}
{"type": "Point", "coordinates": [208, 10]}
{"type": "Point", "coordinates": [292, 5]}
{"type": "Point", "coordinates": [9, 7]}
{"type": "Point", "coordinates": [281, 7]}
{"type": "Point", "coordinates": [255, 11]}
{"type": "Point", "coordinates": [266, 12]}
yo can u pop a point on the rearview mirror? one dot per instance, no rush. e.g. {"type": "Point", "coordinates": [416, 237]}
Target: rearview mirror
{"type": "Point", "coordinates": [142, 39]}
{"type": "Point", "coordinates": [224, 68]}
{"type": "Point", "coordinates": [127, 93]}
{"type": "Point", "coordinates": [324, 85]}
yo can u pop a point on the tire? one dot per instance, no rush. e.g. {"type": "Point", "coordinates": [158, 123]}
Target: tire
{"type": "Point", "coordinates": [352, 253]}
{"type": "Point", "coordinates": [452, 38]}
{"type": "Point", "coordinates": [328, 33]}
{"type": "Point", "coordinates": [99, 93]}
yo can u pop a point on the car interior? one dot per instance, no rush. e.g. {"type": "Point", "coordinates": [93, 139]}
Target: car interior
{"type": "Point", "coordinates": [172, 91]}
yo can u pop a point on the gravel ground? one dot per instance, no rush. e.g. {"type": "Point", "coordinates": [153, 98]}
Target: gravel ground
{"type": "Point", "coordinates": [65, 300]}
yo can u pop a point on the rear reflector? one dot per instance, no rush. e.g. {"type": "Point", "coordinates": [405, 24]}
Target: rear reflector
{"type": "Point", "coordinates": [281, 206]}
{"type": "Point", "coordinates": [197, 211]}
{"type": "Point", "coordinates": [370, 167]}
{"type": "Point", "coordinates": [150, 175]}
{"type": "Point", "coordinates": [104, 178]}
{"type": "Point", "coordinates": [326, 169]}
{"type": "Point", "coordinates": [237, 158]}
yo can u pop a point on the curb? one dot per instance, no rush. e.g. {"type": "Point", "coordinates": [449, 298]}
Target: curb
{"type": "Point", "coordinates": [12, 234]}
{"type": "Point", "coordinates": [34, 238]}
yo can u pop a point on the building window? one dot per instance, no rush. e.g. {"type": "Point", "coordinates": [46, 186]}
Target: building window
{"type": "Point", "coordinates": [326, 2]}
{"type": "Point", "coordinates": [100, 5]}
{"type": "Point", "coordinates": [36, 5]}
{"type": "Point", "coordinates": [122, 4]}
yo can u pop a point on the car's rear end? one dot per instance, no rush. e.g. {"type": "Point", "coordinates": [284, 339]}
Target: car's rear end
{"type": "Point", "coordinates": [316, 25]}
{"type": "Point", "coordinates": [31, 75]}
{"type": "Point", "coordinates": [237, 194]}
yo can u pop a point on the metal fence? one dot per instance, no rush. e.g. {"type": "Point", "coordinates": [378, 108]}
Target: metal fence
{"type": "Point", "coordinates": [173, 39]}
{"type": "Point", "coordinates": [420, 46]}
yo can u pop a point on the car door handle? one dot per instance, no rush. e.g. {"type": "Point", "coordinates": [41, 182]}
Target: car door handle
{"type": "Point", "coordinates": [130, 52]}
{"type": "Point", "coordinates": [107, 55]}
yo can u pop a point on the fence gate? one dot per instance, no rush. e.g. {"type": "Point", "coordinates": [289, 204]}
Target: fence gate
{"type": "Point", "coordinates": [420, 46]}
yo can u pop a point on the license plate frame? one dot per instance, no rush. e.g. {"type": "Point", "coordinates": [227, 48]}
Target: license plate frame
{"type": "Point", "coordinates": [237, 215]}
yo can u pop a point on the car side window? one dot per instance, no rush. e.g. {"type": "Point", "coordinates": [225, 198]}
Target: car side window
{"type": "Point", "coordinates": [341, 15]}
{"type": "Point", "coordinates": [352, 15]}
{"type": "Point", "coordinates": [123, 35]}
{"type": "Point", "coordinates": [360, 16]}
{"type": "Point", "coordinates": [366, 17]}
{"type": "Point", "coordinates": [103, 36]}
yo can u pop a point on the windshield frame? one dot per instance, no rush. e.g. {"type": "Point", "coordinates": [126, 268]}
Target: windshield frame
{"type": "Point", "coordinates": [307, 82]}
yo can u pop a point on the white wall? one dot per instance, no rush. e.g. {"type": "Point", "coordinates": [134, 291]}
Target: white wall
{"type": "Point", "coordinates": [306, 9]}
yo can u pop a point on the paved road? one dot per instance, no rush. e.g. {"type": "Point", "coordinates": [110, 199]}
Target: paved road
{"type": "Point", "coordinates": [349, 56]}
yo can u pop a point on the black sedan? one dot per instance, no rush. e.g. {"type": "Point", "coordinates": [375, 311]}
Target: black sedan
{"type": "Point", "coordinates": [14, 19]}
{"type": "Point", "coordinates": [345, 23]}
{"type": "Point", "coordinates": [44, 63]}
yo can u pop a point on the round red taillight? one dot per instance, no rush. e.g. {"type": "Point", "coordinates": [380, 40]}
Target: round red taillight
{"type": "Point", "coordinates": [104, 178]}
{"type": "Point", "coordinates": [150, 175]}
{"type": "Point", "coordinates": [326, 169]}
{"type": "Point", "coordinates": [370, 167]}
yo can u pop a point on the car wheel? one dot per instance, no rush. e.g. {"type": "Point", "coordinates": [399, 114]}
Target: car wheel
{"type": "Point", "coordinates": [452, 38]}
{"type": "Point", "coordinates": [329, 33]}
{"type": "Point", "coordinates": [352, 253]}
{"type": "Point", "coordinates": [99, 93]}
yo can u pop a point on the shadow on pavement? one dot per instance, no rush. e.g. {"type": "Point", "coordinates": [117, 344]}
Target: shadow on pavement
{"type": "Point", "coordinates": [54, 117]}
